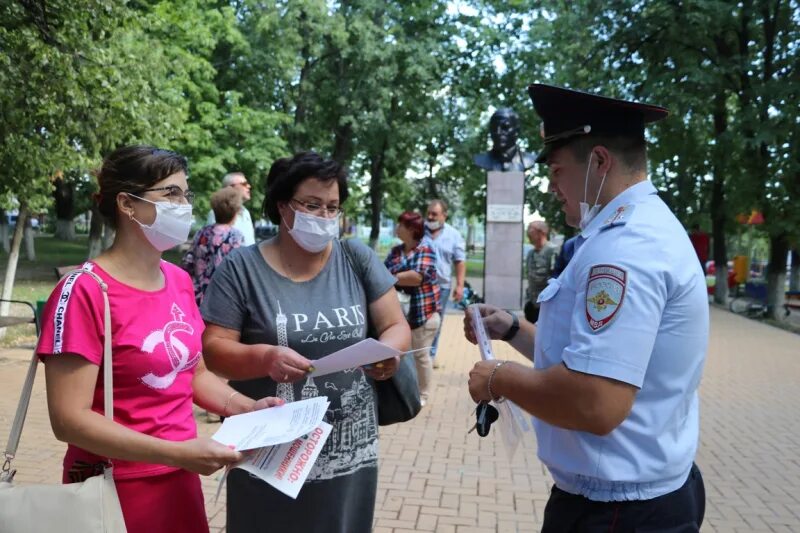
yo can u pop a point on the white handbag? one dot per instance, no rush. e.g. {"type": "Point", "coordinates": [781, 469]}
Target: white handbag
{"type": "Point", "coordinates": [88, 507]}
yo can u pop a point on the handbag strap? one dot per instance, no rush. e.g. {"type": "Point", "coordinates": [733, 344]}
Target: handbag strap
{"type": "Point", "coordinates": [108, 378]}
{"type": "Point", "coordinates": [357, 267]}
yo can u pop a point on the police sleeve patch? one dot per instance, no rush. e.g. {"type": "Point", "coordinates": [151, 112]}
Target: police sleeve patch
{"type": "Point", "coordinates": [604, 294]}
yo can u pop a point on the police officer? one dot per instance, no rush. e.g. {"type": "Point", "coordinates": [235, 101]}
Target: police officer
{"type": "Point", "coordinates": [621, 340]}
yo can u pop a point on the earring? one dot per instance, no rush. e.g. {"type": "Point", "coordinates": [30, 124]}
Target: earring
{"type": "Point", "coordinates": [130, 215]}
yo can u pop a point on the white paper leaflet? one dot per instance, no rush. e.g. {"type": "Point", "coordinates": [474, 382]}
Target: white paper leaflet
{"type": "Point", "coordinates": [285, 466]}
{"type": "Point", "coordinates": [359, 354]}
{"type": "Point", "coordinates": [280, 444]}
{"type": "Point", "coordinates": [276, 425]}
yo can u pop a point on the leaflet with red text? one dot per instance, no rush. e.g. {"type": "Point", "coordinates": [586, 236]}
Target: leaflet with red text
{"type": "Point", "coordinates": [286, 466]}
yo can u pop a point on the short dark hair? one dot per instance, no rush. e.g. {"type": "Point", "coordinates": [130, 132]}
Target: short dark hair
{"type": "Point", "coordinates": [226, 204]}
{"type": "Point", "coordinates": [287, 173]}
{"type": "Point", "coordinates": [413, 221]}
{"type": "Point", "coordinates": [132, 169]}
{"type": "Point", "coordinates": [631, 150]}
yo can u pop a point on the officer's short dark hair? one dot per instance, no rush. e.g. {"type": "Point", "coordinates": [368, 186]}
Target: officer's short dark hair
{"type": "Point", "coordinates": [631, 150]}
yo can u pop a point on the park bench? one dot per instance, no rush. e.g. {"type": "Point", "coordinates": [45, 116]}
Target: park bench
{"type": "Point", "coordinates": [792, 301]}
{"type": "Point", "coordinates": [60, 271]}
{"type": "Point", "coordinates": [15, 320]}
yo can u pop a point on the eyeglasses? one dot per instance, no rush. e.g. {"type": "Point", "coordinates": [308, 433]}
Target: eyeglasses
{"type": "Point", "coordinates": [175, 194]}
{"type": "Point", "coordinates": [242, 183]}
{"type": "Point", "coordinates": [319, 210]}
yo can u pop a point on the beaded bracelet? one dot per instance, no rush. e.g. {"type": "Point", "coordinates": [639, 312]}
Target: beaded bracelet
{"type": "Point", "coordinates": [499, 399]}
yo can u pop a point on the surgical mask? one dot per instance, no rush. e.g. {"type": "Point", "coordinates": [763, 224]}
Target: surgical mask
{"type": "Point", "coordinates": [171, 226]}
{"type": "Point", "coordinates": [433, 225]}
{"type": "Point", "coordinates": [313, 233]}
{"type": "Point", "coordinates": [588, 213]}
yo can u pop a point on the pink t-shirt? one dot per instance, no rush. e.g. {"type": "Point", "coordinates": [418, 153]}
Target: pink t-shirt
{"type": "Point", "coordinates": [156, 345]}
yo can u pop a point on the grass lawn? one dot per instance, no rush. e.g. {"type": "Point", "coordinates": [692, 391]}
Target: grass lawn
{"type": "Point", "coordinates": [35, 280]}
{"type": "Point", "coordinates": [475, 266]}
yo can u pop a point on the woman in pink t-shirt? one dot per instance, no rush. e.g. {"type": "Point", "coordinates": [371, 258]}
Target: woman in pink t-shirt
{"type": "Point", "coordinates": [156, 342]}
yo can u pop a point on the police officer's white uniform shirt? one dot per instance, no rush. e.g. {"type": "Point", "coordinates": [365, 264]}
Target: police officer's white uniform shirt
{"type": "Point", "coordinates": [243, 223]}
{"type": "Point", "coordinates": [639, 314]}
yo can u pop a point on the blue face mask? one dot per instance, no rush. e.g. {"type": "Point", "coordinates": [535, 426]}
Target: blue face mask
{"type": "Point", "coordinates": [313, 233]}
{"type": "Point", "coordinates": [433, 225]}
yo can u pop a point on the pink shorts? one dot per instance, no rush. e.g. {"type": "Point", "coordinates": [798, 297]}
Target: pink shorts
{"type": "Point", "coordinates": [168, 502]}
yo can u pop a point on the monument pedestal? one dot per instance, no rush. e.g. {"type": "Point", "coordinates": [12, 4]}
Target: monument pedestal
{"type": "Point", "coordinates": [505, 194]}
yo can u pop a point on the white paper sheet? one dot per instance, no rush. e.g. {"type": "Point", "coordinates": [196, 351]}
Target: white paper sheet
{"type": "Point", "coordinates": [484, 343]}
{"type": "Point", "coordinates": [361, 353]}
{"type": "Point", "coordinates": [285, 466]}
{"type": "Point", "coordinates": [276, 425]}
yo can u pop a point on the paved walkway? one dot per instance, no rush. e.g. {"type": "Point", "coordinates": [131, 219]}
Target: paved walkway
{"type": "Point", "coordinates": [435, 477]}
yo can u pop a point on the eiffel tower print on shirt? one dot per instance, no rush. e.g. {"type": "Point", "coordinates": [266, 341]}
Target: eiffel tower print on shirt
{"type": "Point", "coordinates": [285, 390]}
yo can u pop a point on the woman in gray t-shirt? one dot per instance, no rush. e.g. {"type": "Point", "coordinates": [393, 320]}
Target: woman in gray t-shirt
{"type": "Point", "coordinates": [270, 310]}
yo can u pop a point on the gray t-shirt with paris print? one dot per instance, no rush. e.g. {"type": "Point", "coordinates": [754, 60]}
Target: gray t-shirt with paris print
{"type": "Point", "coordinates": [314, 318]}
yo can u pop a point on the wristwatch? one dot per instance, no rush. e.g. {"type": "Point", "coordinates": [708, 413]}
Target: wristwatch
{"type": "Point", "coordinates": [512, 331]}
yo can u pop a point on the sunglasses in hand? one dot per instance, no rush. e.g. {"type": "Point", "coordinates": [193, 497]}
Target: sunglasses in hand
{"type": "Point", "coordinates": [485, 415]}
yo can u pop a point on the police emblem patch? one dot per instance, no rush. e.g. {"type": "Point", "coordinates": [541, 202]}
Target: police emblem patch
{"type": "Point", "coordinates": [604, 294]}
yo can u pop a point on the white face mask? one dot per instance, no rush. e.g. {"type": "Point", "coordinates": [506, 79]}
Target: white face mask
{"type": "Point", "coordinates": [433, 225]}
{"type": "Point", "coordinates": [313, 233]}
{"type": "Point", "coordinates": [588, 213]}
{"type": "Point", "coordinates": [171, 226]}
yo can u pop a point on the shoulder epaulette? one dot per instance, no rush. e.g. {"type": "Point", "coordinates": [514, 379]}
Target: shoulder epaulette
{"type": "Point", "coordinates": [620, 217]}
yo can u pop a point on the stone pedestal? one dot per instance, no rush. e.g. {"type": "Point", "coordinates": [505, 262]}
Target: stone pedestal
{"type": "Point", "coordinates": [505, 194]}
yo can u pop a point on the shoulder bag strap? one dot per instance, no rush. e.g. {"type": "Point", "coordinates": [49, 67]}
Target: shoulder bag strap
{"type": "Point", "coordinates": [357, 267]}
{"type": "Point", "coordinates": [25, 395]}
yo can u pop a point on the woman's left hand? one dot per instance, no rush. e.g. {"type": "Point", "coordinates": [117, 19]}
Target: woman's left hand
{"type": "Point", "coordinates": [269, 401]}
{"type": "Point", "coordinates": [384, 369]}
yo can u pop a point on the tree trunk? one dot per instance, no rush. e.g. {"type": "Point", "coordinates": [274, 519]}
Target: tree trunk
{"type": "Point", "coordinates": [65, 230]}
{"type": "Point", "coordinates": [4, 231]}
{"type": "Point", "coordinates": [718, 213]}
{"type": "Point", "coordinates": [65, 210]}
{"type": "Point", "coordinates": [30, 249]}
{"type": "Point", "coordinates": [794, 276]}
{"type": "Point", "coordinates": [95, 232]}
{"type": "Point", "coordinates": [108, 235]}
{"type": "Point", "coordinates": [298, 137]}
{"type": "Point", "coordinates": [376, 169]}
{"type": "Point", "coordinates": [776, 275]}
{"type": "Point", "coordinates": [343, 143]}
{"type": "Point", "coordinates": [11, 266]}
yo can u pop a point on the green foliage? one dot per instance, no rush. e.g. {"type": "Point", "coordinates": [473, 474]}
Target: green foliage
{"type": "Point", "coordinates": [401, 92]}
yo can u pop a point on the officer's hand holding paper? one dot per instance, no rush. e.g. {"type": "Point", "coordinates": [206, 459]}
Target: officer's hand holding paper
{"type": "Point", "coordinates": [512, 421]}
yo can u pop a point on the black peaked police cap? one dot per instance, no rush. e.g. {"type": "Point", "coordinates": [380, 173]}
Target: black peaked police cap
{"type": "Point", "coordinates": [567, 114]}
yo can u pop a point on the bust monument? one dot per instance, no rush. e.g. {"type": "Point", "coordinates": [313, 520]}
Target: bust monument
{"type": "Point", "coordinates": [505, 155]}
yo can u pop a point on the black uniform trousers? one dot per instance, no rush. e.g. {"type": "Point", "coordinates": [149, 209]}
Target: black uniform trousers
{"type": "Point", "coordinates": [680, 511]}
